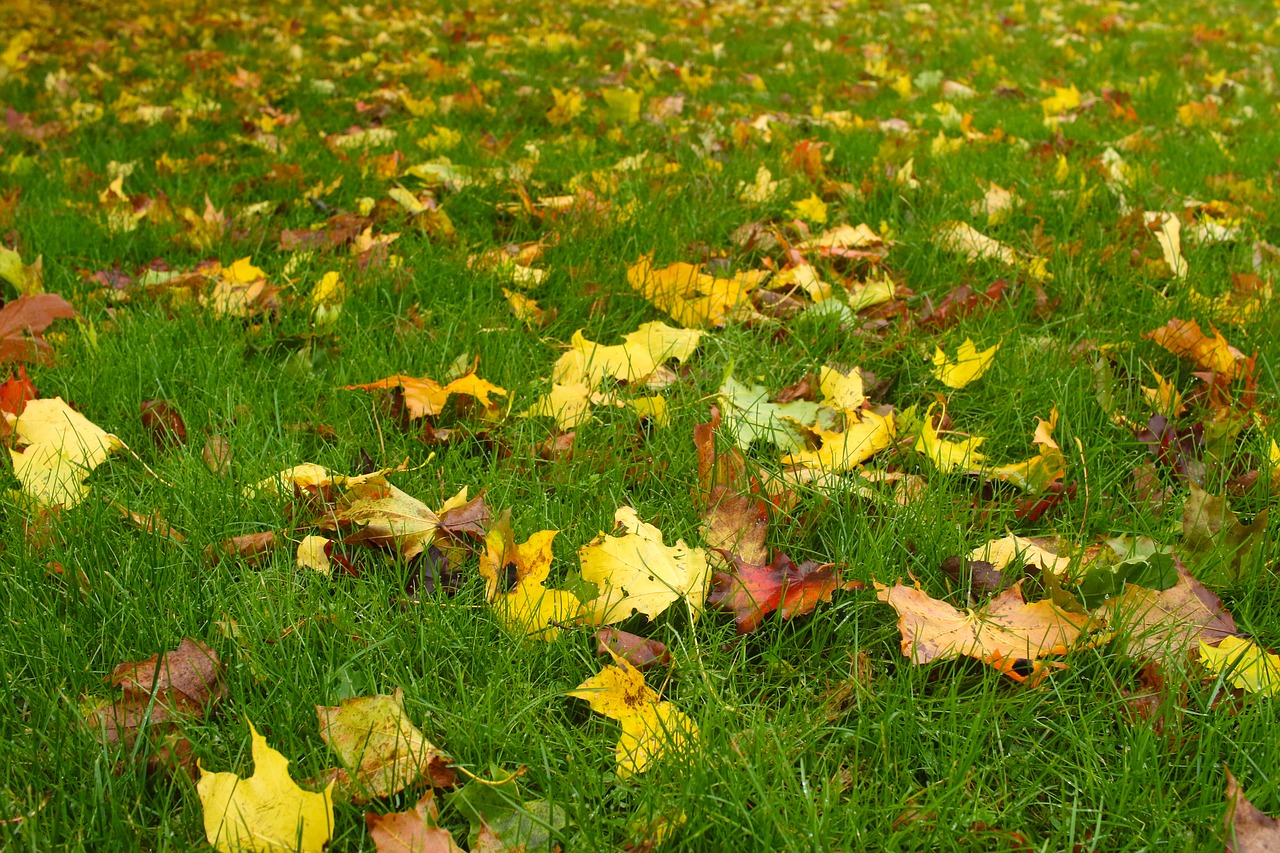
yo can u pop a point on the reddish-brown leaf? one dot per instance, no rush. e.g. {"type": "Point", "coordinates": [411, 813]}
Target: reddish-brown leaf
{"type": "Point", "coordinates": [735, 517]}
{"type": "Point", "coordinates": [217, 453]}
{"type": "Point", "coordinates": [961, 302]}
{"type": "Point", "coordinates": [251, 547]}
{"type": "Point", "coordinates": [753, 592]}
{"type": "Point", "coordinates": [163, 424]}
{"type": "Point", "coordinates": [412, 831]}
{"type": "Point", "coordinates": [470, 519]}
{"type": "Point", "coordinates": [640, 652]}
{"type": "Point", "coordinates": [22, 322]}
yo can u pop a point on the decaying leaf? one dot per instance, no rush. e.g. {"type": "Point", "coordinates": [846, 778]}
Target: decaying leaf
{"type": "Point", "coordinates": [1247, 828]}
{"type": "Point", "coordinates": [381, 751]}
{"type": "Point", "coordinates": [62, 449]}
{"type": "Point", "coordinates": [651, 728]}
{"type": "Point", "coordinates": [1245, 664]}
{"type": "Point", "coordinates": [158, 695]}
{"type": "Point", "coordinates": [385, 516]}
{"type": "Point", "coordinates": [640, 652]}
{"type": "Point", "coordinates": [515, 583]}
{"type": "Point", "coordinates": [266, 811]}
{"type": "Point", "coordinates": [1018, 551]}
{"type": "Point", "coordinates": [735, 516]}
{"type": "Point", "coordinates": [424, 397]}
{"type": "Point", "coordinates": [969, 364]}
{"type": "Point", "coordinates": [163, 423]}
{"type": "Point", "coordinates": [1166, 624]}
{"type": "Point", "coordinates": [1214, 541]}
{"type": "Point", "coordinates": [637, 573]}
{"type": "Point", "coordinates": [752, 592]}
{"type": "Point", "coordinates": [1002, 633]}
{"type": "Point", "coordinates": [413, 831]}
{"type": "Point", "coordinates": [962, 238]}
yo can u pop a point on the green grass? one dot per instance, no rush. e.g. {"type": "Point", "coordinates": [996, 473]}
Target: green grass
{"type": "Point", "coordinates": [797, 752]}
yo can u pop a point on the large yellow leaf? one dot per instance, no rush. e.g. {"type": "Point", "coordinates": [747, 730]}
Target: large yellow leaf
{"type": "Point", "coordinates": [62, 449]}
{"type": "Point", "coordinates": [267, 811]}
{"type": "Point", "coordinates": [691, 297]}
{"type": "Point", "coordinates": [650, 727]}
{"type": "Point", "coordinates": [841, 390]}
{"type": "Point", "coordinates": [1247, 665]}
{"type": "Point", "coordinates": [424, 397]}
{"type": "Point", "coordinates": [863, 437]}
{"type": "Point", "coordinates": [515, 583]}
{"type": "Point", "coordinates": [589, 363]}
{"type": "Point", "coordinates": [1005, 631]}
{"type": "Point", "coordinates": [968, 365]}
{"type": "Point", "coordinates": [636, 573]}
{"type": "Point", "coordinates": [949, 455]}
{"type": "Point", "coordinates": [382, 751]}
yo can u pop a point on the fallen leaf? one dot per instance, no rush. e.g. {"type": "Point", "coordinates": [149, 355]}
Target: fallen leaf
{"type": "Point", "coordinates": [962, 238]}
{"type": "Point", "coordinates": [840, 390]}
{"type": "Point", "coordinates": [22, 322]}
{"type": "Point", "coordinates": [384, 516]}
{"type": "Point", "coordinates": [640, 652]}
{"type": "Point", "coordinates": [62, 449]}
{"type": "Point", "coordinates": [968, 365]}
{"type": "Point", "coordinates": [650, 728]}
{"type": "Point", "coordinates": [750, 417]}
{"type": "Point", "coordinates": [27, 279]}
{"type": "Point", "coordinates": [1244, 663]}
{"type": "Point", "coordinates": [752, 592]}
{"type": "Point", "coordinates": [691, 297]}
{"type": "Point", "coordinates": [864, 435]}
{"type": "Point", "coordinates": [250, 547]}
{"type": "Point", "coordinates": [266, 811]}
{"type": "Point", "coordinates": [637, 573]}
{"type": "Point", "coordinates": [15, 393]}
{"type": "Point", "coordinates": [1184, 339]}
{"type": "Point", "coordinates": [1168, 230]}
{"type": "Point", "coordinates": [735, 517]}
{"type": "Point", "coordinates": [515, 583]}
{"type": "Point", "coordinates": [1017, 551]}
{"type": "Point", "coordinates": [1214, 541]}
{"type": "Point", "coordinates": [646, 348]}
{"type": "Point", "coordinates": [425, 397]}
{"type": "Point", "coordinates": [1002, 633]}
{"type": "Point", "coordinates": [1248, 829]}
{"type": "Point", "coordinates": [313, 554]}
{"type": "Point", "coordinates": [163, 423]}
{"type": "Point", "coordinates": [412, 831]}
{"type": "Point", "coordinates": [501, 821]}
{"type": "Point", "coordinates": [381, 751]}
{"type": "Point", "coordinates": [1166, 624]}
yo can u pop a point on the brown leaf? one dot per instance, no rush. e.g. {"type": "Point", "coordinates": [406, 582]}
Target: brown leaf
{"type": "Point", "coordinates": [753, 592]}
{"type": "Point", "coordinates": [557, 447]}
{"type": "Point", "coordinates": [30, 316]}
{"type": "Point", "coordinates": [1248, 830]}
{"type": "Point", "coordinates": [961, 302]}
{"type": "Point", "coordinates": [159, 694]}
{"type": "Point", "coordinates": [469, 519]}
{"type": "Point", "coordinates": [217, 453]}
{"type": "Point", "coordinates": [411, 832]}
{"type": "Point", "coordinates": [805, 389]}
{"type": "Point", "coordinates": [640, 652]}
{"type": "Point", "coordinates": [1164, 624]}
{"type": "Point", "coordinates": [163, 424]}
{"type": "Point", "coordinates": [251, 547]}
{"type": "Point", "coordinates": [1002, 633]}
{"type": "Point", "coordinates": [733, 520]}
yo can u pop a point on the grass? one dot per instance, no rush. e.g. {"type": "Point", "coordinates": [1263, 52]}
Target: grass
{"type": "Point", "coordinates": [803, 747]}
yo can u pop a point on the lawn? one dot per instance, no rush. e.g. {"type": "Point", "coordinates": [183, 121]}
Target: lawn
{"type": "Point", "coordinates": [880, 632]}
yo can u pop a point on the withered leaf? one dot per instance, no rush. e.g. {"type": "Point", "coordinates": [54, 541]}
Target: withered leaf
{"type": "Point", "coordinates": [753, 592]}
{"type": "Point", "coordinates": [640, 652]}
{"type": "Point", "coordinates": [1247, 828]}
{"type": "Point", "coordinates": [163, 423]}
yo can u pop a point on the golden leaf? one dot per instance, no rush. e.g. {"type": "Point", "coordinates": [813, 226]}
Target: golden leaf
{"type": "Point", "coordinates": [637, 573]}
{"type": "Point", "coordinates": [1247, 665]}
{"type": "Point", "coordinates": [864, 436]}
{"type": "Point", "coordinates": [515, 584]}
{"type": "Point", "coordinates": [62, 449]}
{"type": "Point", "coordinates": [267, 811]}
{"type": "Point", "coordinates": [425, 397]}
{"type": "Point", "coordinates": [969, 364]}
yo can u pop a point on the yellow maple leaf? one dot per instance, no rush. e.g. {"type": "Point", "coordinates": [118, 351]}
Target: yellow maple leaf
{"type": "Point", "coordinates": [1061, 101]}
{"type": "Point", "coordinates": [386, 516]}
{"type": "Point", "coordinates": [691, 297]}
{"type": "Point", "coordinates": [27, 279]}
{"type": "Point", "coordinates": [968, 365]}
{"type": "Point", "coordinates": [313, 554]}
{"type": "Point", "coordinates": [1247, 665]}
{"type": "Point", "coordinates": [265, 812]}
{"type": "Point", "coordinates": [381, 749]}
{"type": "Point", "coordinates": [567, 107]}
{"type": "Point", "coordinates": [1003, 552]}
{"type": "Point", "coordinates": [424, 397]}
{"type": "Point", "coordinates": [589, 363]}
{"type": "Point", "coordinates": [650, 727]}
{"type": "Point", "coordinates": [864, 435]}
{"type": "Point", "coordinates": [870, 293]}
{"type": "Point", "coordinates": [622, 105]}
{"type": "Point", "coordinates": [1164, 398]}
{"type": "Point", "coordinates": [812, 209]}
{"type": "Point", "coordinates": [948, 455]}
{"type": "Point", "coordinates": [569, 403]}
{"type": "Point", "coordinates": [1049, 463]}
{"type": "Point", "coordinates": [62, 449]}
{"type": "Point", "coordinates": [515, 583]}
{"type": "Point", "coordinates": [637, 573]}
{"type": "Point", "coordinates": [841, 390]}
{"type": "Point", "coordinates": [329, 290]}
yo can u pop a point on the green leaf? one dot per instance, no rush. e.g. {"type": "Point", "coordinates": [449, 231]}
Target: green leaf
{"type": "Point", "coordinates": [1215, 544]}
{"type": "Point", "coordinates": [528, 825]}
